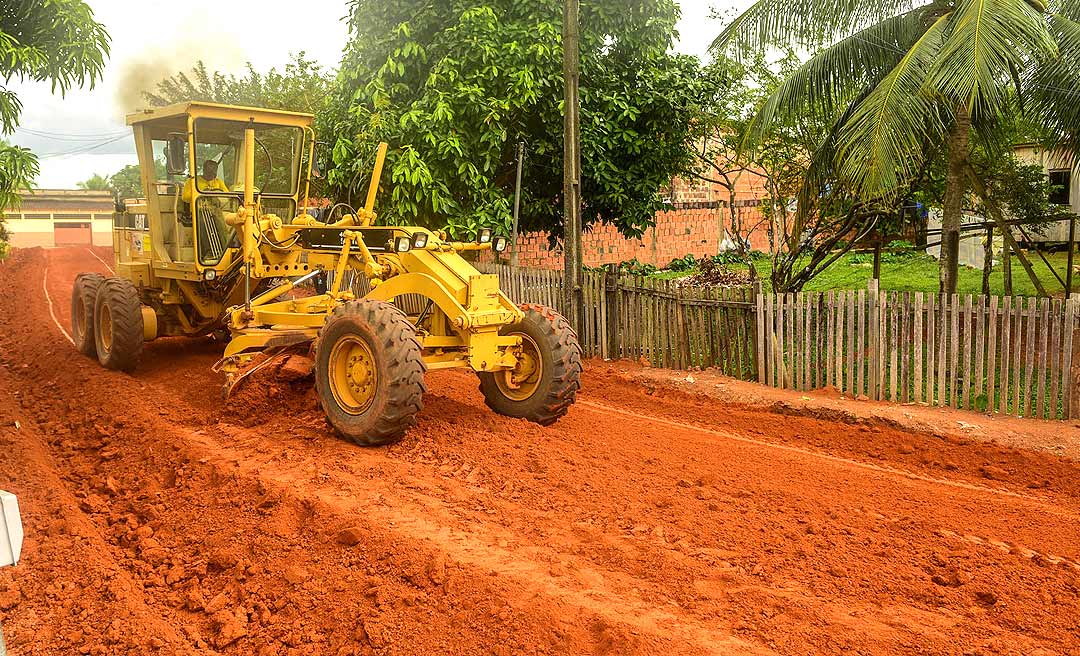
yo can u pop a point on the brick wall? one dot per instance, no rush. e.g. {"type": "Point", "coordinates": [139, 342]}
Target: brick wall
{"type": "Point", "coordinates": [696, 226]}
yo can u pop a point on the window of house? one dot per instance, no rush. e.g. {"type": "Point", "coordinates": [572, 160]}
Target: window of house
{"type": "Point", "coordinates": [1060, 185]}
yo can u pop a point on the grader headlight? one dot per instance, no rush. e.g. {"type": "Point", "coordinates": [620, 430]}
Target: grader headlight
{"type": "Point", "coordinates": [402, 244]}
{"type": "Point", "coordinates": [500, 244]}
{"type": "Point", "coordinates": [484, 236]}
{"type": "Point", "coordinates": [419, 240]}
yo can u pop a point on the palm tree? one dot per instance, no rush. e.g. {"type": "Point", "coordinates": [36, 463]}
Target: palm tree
{"type": "Point", "coordinates": [900, 78]}
{"type": "Point", "coordinates": [96, 182]}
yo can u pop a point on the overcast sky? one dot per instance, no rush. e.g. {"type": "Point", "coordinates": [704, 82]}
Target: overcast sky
{"type": "Point", "coordinates": [84, 133]}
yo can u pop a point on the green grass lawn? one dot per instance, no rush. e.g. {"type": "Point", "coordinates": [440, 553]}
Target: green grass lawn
{"type": "Point", "coordinates": [918, 272]}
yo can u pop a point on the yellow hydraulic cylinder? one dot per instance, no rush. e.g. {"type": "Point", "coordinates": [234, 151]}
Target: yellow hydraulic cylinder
{"type": "Point", "coordinates": [249, 192]}
{"type": "Point", "coordinates": [376, 173]}
{"type": "Point", "coordinates": [249, 210]}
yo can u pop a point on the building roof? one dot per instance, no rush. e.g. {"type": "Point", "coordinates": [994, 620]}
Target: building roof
{"type": "Point", "coordinates": [216, 110]}
{"type": "Point", "coordinates": [64, 200]}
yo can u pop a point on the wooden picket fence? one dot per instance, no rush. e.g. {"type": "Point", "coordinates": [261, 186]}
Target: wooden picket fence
{"type": "Point", "coordinates": [1010, 355]}
{"type": "Point", "coordinates": [648, 319]}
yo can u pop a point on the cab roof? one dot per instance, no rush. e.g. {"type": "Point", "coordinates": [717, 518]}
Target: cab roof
{"type": "Point", "coordinates": [201, 109]}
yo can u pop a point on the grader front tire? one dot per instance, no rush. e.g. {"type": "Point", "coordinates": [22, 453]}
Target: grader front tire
{"type": "Point", "coordinates": [118, 325]}
{"type": "Point", "coordinates": [545, 383]}
{"type": "Point", "coordinates": [369, 372]}
{"type": "Point", "coordinates": [83, 296]}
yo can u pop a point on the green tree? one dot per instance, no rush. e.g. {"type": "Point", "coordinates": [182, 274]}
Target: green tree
{"type": "Point", "coordinates": [805, 234]}
{"type": "Point", "coordinates": [127, 182]}
{"type": "Point", "coordinates": [96, 182]}
{"type": "Point", "coordinates": [901, 81]}
{"type": "Point", "coordinates": [57, 41]}
{"type": "Point", "coordinates": [301, 87]}
{"type": "Point", "coordinates": [454, 86]}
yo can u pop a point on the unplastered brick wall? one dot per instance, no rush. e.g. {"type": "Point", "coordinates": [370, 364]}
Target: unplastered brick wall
{"type": "Point", "coordinates": [696, 225]}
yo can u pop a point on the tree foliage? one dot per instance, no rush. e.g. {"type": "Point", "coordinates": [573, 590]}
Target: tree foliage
{"type": "Point", "coordinates": [454, 86]}
{"type": "Point", "coordinates": [55, 41]}
{"type": "Point", "coordinates": [127, 182]}
{"type": "Point", "coordinates": [301, 87]}
{"type": "Point", "coordinates": [806, 233]}
{"type": "Point", "coordinates": [96, 182]}
{"type": "Point", "coordinates": [900, 79]}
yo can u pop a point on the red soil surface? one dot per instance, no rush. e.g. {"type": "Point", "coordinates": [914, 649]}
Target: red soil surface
{"type": "Point", "coordinates": [161, 520]}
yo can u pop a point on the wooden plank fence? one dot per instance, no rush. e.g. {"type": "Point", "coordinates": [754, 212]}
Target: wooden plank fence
{"type": "Point", "coordinates": [648, 319]}
{"type": "Point", "coordinates": [1009, 355]}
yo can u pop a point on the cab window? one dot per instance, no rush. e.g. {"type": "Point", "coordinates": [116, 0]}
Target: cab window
{"type": "Point", "coordinates": [277, 154]}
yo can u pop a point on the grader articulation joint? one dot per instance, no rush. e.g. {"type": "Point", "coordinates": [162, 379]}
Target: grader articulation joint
{"type": "Point", "coordinates": [201, 253]}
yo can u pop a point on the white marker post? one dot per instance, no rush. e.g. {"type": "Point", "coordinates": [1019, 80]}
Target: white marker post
{"type": "Point", "coordinates": [11, 539]}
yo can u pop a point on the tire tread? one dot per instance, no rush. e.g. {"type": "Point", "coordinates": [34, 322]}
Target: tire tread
{"type": "Point", "coordinates": [404, 357]}
{"type": "Point", "coordinates": [127, 333]}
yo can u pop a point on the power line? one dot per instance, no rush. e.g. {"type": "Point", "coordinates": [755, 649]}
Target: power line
{"type": "Point", "coordinates": [62, 136]}
{"type": "Point", "coordinates": [82, 149]}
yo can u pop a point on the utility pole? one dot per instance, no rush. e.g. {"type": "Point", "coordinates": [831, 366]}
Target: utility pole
{"type": "Point", "coordinates": [517, 206]}
{"type": "Point", "coordinates": [572, 255]}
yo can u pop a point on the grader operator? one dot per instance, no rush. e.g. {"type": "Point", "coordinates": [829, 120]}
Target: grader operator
{"type": "Point", "coordinates": [204, 250]}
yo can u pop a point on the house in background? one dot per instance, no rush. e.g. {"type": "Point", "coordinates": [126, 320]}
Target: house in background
{"type": "Point", "coordinates": [61, 217]}
{"type": "Point", "coordinates": [1060, 171]}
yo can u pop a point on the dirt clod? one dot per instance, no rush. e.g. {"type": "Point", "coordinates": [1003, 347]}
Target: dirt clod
{"type": "Point", "coordinates": [349, 537]}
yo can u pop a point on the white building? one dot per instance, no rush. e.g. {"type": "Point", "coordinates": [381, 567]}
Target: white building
{"type": "Point", "coordinates": [1060, 171]}
{"type": "Point", "coordinates": [61, 217]}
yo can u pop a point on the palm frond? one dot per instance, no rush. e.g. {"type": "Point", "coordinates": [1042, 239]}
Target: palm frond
{"type": "Point", "coordinates": [1052, 86]}
{"type": "Point", "coordinates": [805, 23]}
{"type": "Point", "coordinates": [1067, 8]}
{"type": "Point", "coordinates": [985, 39]}
{"type": "Point", "coordinates": [830, 79]}
{"type": "Point", "coordinates": [878, 147]}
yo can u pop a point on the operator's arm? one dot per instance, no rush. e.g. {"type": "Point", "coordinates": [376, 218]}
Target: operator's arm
{"type": "Point", "coordinates": [189, 187]}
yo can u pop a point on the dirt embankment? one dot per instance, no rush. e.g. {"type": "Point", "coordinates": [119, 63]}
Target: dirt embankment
{"type": "Point", "coordinates": [649, 520]}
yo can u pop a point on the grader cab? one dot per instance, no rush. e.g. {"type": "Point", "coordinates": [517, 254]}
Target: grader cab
{"type": "Point", "coordinates": [224, 239]}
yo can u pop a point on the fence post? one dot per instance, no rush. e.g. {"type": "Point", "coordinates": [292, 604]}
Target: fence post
{"type": "Point", "coordinates": [874, 338]}
{"type": "Point", "coordinates": [611, 305]}
{"type": "Point", "coordinates": [1071, 402]}
{"type": "Point", "coordinates": [759, 330]}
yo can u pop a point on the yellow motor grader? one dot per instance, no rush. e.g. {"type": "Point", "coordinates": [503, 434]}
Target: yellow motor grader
{"type": "Point", "coordinates": [225, 240]}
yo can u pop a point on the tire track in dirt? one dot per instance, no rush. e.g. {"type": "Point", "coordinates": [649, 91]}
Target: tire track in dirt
{"type": "Point", "coordinates": [836, 460]}
{"type": "Point", "coordinates": [106, 265]}
{"type": "Point", "coordinates": [474, 433]}
{"type": "Point", "coordinates": [423, 517]}
{"type": "Point", "coordinates": [52, 310]}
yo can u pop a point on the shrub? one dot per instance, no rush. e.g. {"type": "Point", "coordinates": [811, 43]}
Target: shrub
{"type": "Point", "coordinates": [682, 263]}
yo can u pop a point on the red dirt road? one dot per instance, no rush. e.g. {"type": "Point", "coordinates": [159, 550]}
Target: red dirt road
{"type": "Point", "coordinates": [647, 521]}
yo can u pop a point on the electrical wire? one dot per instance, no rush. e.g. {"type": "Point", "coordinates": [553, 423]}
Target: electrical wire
{"type": "Point", "coordinates": [83, 149]}
{"type": "Point", "coordinates": [59, 136]}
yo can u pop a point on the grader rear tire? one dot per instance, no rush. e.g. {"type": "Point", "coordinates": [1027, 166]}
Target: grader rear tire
{"type": "Point", "coordinates": [545, 383]}
{"type": "Point", "coordinates": [369, 372]}
{"type": "Point", "coordinates": [118, 325]}
{"type": "Point", "coordinates": [83, 296]}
